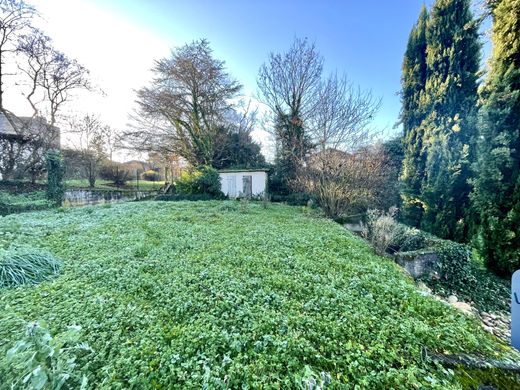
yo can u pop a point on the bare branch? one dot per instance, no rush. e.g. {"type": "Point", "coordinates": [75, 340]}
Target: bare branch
{"type": "Point", "coordinates": [185, 104]}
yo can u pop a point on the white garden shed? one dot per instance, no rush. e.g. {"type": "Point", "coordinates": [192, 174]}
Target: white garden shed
{"type": "Point", "coordinates": [236, 183]}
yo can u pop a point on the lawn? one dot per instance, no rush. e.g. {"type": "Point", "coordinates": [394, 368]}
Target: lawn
{"type": "Point", "coordinates": [222, 294]}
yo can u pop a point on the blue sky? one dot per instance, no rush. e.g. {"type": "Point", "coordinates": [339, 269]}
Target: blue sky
{"type": "Point", "coordinates": [118, 41]}
{"type": "Point", "coordinates": [365, 39]}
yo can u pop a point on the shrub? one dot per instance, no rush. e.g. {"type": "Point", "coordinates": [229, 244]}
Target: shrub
{"type": "Point", "coordinates": [55, 172]}
{"type": "Point", "coordinates": [27, 266]}
{"type": "Point", "coordinates": [454, 264]}
{"type": "Point", "coordinates": [343, 183]}
{"type": "Point", "coordinates": [115, 172]}
{"type": "Point", "coordinates": [380, 229]}
{"type": "Point", "coordinates": [41, 361]}
{"type": "Point", "coordinates": [408, 239]}
{"type": "Point", "coordinates": [151, 175]}
{"type": "Point", "coordinates": [203, 180]}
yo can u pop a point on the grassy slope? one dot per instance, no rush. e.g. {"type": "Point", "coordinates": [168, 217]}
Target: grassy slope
{"type": "Point", "coordinates": [191, 293]}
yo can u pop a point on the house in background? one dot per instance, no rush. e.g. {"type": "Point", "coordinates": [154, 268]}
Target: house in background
{"type": "Point", "coordinates": [23, 143]}
{"type": "Point", "coordinates": [236, 183]}
{"type": "Point", "coordinates": [23, 129]}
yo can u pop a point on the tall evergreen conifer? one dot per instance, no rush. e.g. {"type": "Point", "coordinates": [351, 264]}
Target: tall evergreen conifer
{"type": "Point", "coordinates": [413, 83]}
{"type": "Point", "coordinates": [452, 57]}
{"type": "Point", "coordinates": [496, 193]}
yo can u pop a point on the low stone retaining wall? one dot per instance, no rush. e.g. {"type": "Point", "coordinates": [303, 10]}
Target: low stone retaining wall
{"type": "Point", "coordinates": [419, 263]}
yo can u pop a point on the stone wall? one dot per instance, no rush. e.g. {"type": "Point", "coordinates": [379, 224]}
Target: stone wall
{"type": "Point", "coordinates": [418, 263]}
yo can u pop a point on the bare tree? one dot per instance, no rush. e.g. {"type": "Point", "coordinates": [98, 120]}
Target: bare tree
{"type": "Point", "coordinates": [112, 141]}
{"type": "Point", "coordinates": [89, 141]}
{"type": "Point", "coordinates": [345, 182]}
{"type": "Point", "coordinates": [289, 82]}
{"type": "Point", "coordinates": [310, 112]}
{"type": "Point", "coordinates": [52, 75]}
{"type": "Point", "coordinates": [35, 49]}
{"type": "Point", "coordinates": [15, 16]}
{"type": "Point", "coordinates": [186, 102]}
{"type": "Point", "coordinates": [342, 114]}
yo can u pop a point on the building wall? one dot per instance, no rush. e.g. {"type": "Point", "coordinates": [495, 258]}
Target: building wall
{"type": "Point", "coordinates": [232, 183]}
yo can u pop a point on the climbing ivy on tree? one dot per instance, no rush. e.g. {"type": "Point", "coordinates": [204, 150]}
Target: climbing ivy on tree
{"type": "Point", "coordinates": [55, 172]}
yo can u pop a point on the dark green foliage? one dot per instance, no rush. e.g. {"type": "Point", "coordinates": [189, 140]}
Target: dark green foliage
{"type": "Point", "coordinates": [55, 172]}
{"type": "Point", "coordinates": [482, 379]}
{"type": "Point", "coordinates": [203, 180]}
{"type": "Point", "coordinates": [117, 173]}
{"type": "Point", "coordinates": [454, 264]}
{"type": "Point", "coordinates": [443, 143]}
{"type": "Point", "coordinates": [26, 266]}
{"type": "Point", "coordinates": [293, 199]}
{"type": "Point", "coordinates": [408, 239]}
{"type": "Point", "coordinates": [237, 149]}
{"type": "Point", "coordinates": [496, 193]}
{"type": "Point", "coordinates": [394, 153]}
{"type": "Point", "coordinates": [460, 272]}
{"type": "Point", "coordinates": [483, 289]}
{"type": "Point", "coordinates": [292, 145]}
{"type": "Point", "coordinates": [188, 295]}
{"type": "Point", "coordinates": [413, 83]}
{"type": "Point", "coordinates": [151, 175]}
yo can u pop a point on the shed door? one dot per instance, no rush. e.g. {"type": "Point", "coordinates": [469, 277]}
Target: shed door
{"type": "Point", "coordinates": [247, 183]}
{"type": "Point", "coordinates": [231, 186]}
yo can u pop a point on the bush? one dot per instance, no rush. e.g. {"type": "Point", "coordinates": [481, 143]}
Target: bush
{"type": "Point", "coordinates": [408, 239]}
{"type": "Point", "coordinates": [344, 183]}
{"type": "Point", "coordinates": [454, 264]}
{"type": "Point", "coordinates": [26, 266]}
{"type": "Point", "coordinates": [380, 229]}
{"type": "Point", "coordinates": [151, 175]}
{"type": "Point", "coordinates": [203, 180]}
{"type": "Point", "coordinates": [41, 361]}
{"type": "Point", "coordinates": [115, 172]}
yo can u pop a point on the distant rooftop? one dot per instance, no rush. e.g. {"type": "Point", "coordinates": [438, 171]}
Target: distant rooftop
{"type": "Point", "coordinates": [21, 126]}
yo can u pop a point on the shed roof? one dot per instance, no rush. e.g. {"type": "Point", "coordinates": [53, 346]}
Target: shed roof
{"type": "Point", "coordinates": [244, 170]}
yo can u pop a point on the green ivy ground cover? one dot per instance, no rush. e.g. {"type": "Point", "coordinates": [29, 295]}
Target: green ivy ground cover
{"type": "Point", "coordinates": [11, 202]}
{"type": "Point", "coordinates": [210, 295]}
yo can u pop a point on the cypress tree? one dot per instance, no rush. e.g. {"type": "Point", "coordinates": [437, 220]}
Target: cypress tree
{"type": "Point", "coordinates": [413, 83]}
{"type": "Point", "coordinates": [496, 193]}
{"type": "Point", "coordinates": [452, 58]}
